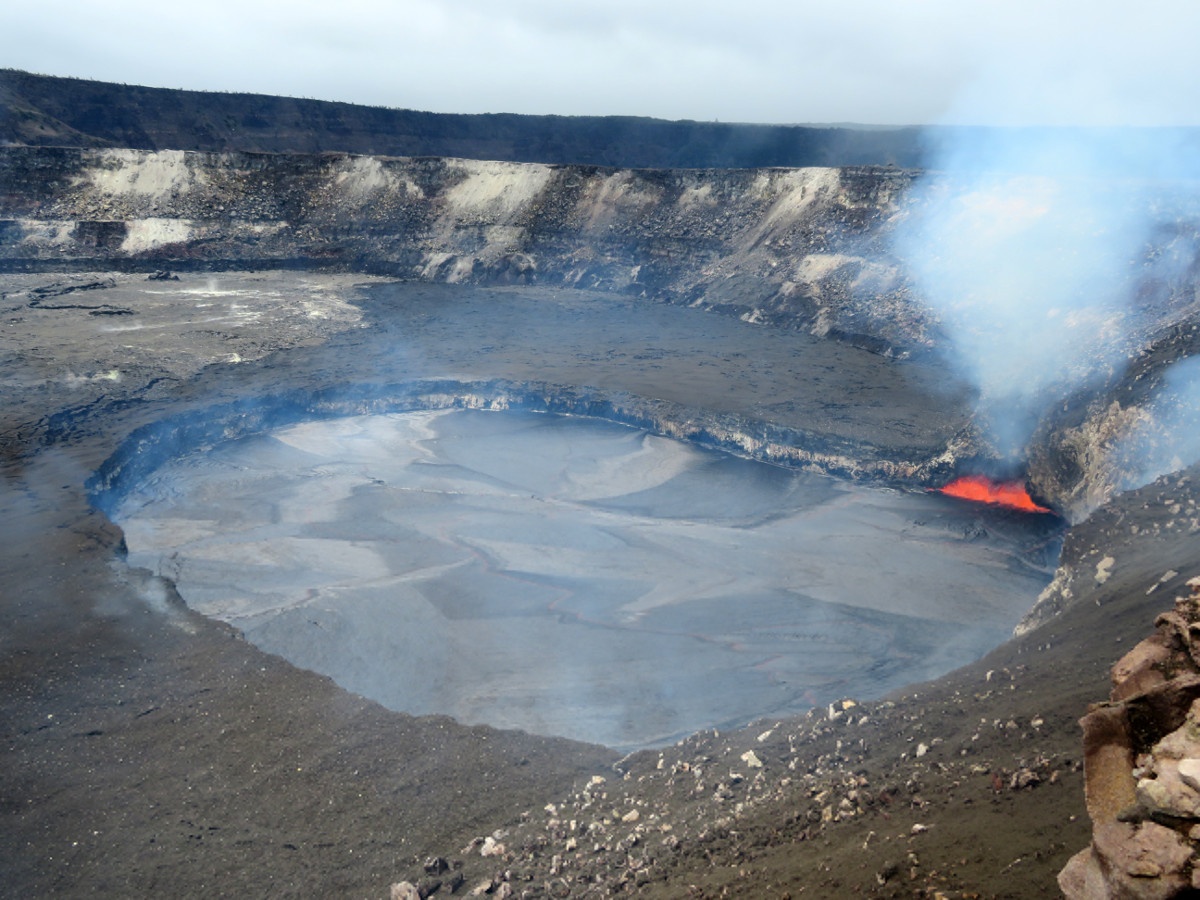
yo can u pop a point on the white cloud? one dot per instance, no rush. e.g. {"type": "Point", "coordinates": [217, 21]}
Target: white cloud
{"type": "Point", "coordinates": [762, 60]}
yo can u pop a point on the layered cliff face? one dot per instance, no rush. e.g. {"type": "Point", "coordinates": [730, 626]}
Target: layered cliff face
{"type": "Point", "coordinates": [808, 249]}
{"type": "Point", "coordinates": [797, 247]}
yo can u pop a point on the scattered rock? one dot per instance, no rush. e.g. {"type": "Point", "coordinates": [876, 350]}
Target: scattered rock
{"type": "Point", "coordinates": [1166, 576]}
{"type": "Point", "coordinates": [751, 759]}
{"type": "Point", "coordinates": [484, 887]}
{"type": "Point", "coordinates": [491, 847]}
{"type": "Point", "coordinates": [436, 865]}
{"type": "Point", "coordinates": [1023, 778]}
{"type": "Point", "coordinates": [839, 708]}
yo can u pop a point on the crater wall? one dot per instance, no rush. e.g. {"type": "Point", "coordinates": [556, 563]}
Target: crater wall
{"type": "Point", "coordinates": [808, 249]}
{"type": "Point", "coordinates": [800, 247]}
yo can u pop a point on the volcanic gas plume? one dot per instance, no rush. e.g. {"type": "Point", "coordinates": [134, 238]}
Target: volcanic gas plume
{"type": "Point", "coordinates": [1032, 257]}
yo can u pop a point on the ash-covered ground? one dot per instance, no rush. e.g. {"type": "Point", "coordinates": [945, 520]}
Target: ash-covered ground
{"type": "Point", "coordinates": [149, 751]}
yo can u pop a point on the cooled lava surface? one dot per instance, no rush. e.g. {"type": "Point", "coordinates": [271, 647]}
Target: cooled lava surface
{"type": "Point", "coordinates": [571, 577]}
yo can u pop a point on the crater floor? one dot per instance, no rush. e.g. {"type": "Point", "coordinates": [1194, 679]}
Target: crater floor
{"type": "Point", "coordinates": [574, 577]}
{"type": "Point", "coordinates": [146, 751]}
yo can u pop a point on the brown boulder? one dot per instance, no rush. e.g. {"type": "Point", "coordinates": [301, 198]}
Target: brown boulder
{"type": "Point", "coordinates": [1142, 770]}
{"type": "Point", "coordinates": [1140, 670]}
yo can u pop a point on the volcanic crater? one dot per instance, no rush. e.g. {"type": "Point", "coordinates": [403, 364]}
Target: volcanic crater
{"type": "Point", "coordinates": [664, 330]}
{"type": "Point", "coordinates": [504, 557]}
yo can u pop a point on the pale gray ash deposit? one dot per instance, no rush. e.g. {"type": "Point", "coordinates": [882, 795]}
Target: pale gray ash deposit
{"type": "Point", "coordinates": [441, 484]}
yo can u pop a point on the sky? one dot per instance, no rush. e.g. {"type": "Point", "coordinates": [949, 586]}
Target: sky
{"type": "Point", "coordinates": [992, 62]}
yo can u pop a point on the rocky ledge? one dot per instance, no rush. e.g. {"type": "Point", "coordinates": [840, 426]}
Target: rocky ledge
{"type": "Point", "coordinates": [1142, 765]}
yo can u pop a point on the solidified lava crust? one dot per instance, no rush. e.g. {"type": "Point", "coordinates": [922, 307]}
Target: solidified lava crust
{"type": "Point", "coordinates": [149, 446]}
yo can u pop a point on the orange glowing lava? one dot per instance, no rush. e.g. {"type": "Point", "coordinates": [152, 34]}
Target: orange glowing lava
{"type": "Point", "coordinates": [982, 489]}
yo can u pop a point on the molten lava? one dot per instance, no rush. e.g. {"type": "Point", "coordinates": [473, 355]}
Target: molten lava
{"type": "Point", "coordinates": [982, 489]}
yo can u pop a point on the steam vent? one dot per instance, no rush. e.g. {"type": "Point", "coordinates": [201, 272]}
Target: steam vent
{"type": "Point", "coordinates": [410, 506]}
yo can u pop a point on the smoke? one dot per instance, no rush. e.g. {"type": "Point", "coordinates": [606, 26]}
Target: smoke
{"type": "Point", "coordinates": [1168, 437]}
{"type": "Point", "coordinates": [1033, 249]}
